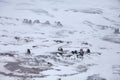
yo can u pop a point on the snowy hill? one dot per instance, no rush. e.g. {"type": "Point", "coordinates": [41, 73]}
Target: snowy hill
{"type": "Point", "coordinates": [43, 26]}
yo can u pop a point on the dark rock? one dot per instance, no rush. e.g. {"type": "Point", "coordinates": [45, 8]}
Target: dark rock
{"type": "Point", "coordinates": [95, 77]}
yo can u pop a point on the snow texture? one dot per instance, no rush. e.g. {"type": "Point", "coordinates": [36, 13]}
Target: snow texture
{"type": "Point", "coordinates": [59, 39]}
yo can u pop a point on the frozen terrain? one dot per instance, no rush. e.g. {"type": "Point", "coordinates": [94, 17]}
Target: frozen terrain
{"type": "Point", "coordinates": [45, 25]}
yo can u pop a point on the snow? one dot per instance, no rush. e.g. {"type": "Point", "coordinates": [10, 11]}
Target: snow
{"type": "Point", "coordinates": [84, 24]}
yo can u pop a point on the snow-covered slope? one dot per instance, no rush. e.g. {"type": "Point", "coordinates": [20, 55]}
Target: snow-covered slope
{"type": "Point", "coordinates": [45, 25]}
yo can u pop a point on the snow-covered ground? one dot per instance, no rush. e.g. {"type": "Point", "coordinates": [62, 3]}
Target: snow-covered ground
{"type": "Point", "coordinates": [45, 25]}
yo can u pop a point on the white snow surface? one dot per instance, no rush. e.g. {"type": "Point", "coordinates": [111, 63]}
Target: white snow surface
{"type": "Point", "coordinates": [83, 21]}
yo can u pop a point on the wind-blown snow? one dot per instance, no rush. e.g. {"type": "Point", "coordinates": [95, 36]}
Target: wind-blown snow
{"type": "Point", "coordinates": [83, 24]}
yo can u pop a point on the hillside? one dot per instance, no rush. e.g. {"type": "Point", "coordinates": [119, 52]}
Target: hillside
{"type": "Point", "coordinates": [43, 26]}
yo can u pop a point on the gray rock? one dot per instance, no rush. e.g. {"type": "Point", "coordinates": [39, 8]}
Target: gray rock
{"type": "Point", "coordinates": [95, 77]}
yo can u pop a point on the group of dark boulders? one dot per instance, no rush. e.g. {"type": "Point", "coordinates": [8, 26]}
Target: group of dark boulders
{"type": "Point", "coordinates": [80, 53]}
{"type": "Point", "coordinates": [29, 21]}
{"type": "Point", "coordinates": [63, 53]}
